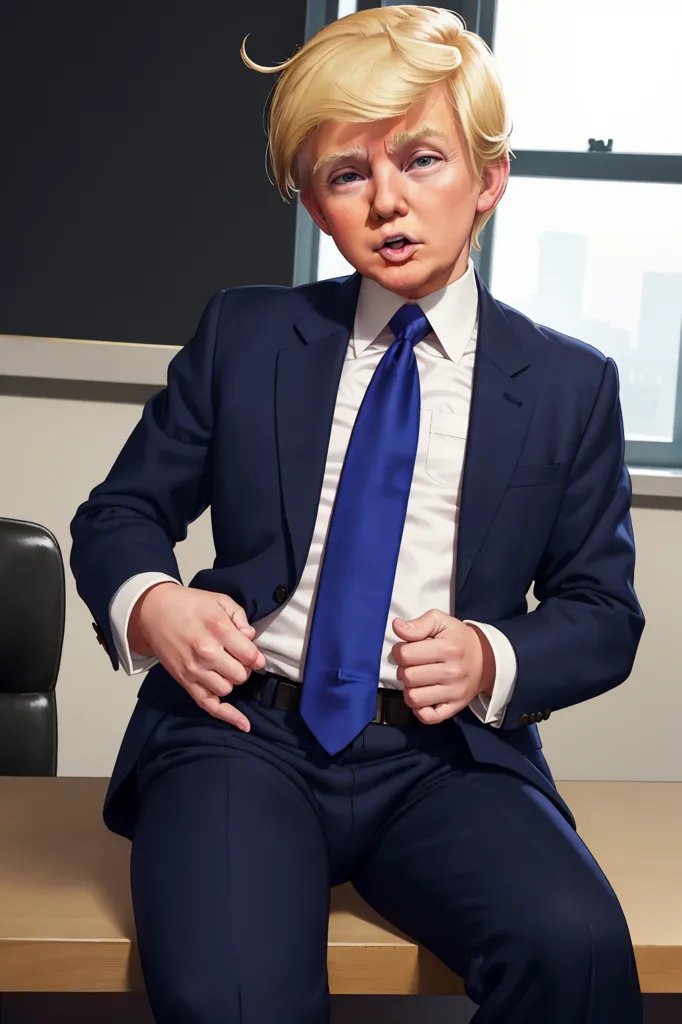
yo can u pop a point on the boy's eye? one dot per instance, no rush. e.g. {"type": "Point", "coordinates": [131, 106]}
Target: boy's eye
{"type": "Point", "coordinates": [348, 177]}
{"type": "Point", "coordinates": [343, 178]}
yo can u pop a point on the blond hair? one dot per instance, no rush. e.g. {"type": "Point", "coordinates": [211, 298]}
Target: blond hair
{"type": "Point", "coordinates": [376, 64]}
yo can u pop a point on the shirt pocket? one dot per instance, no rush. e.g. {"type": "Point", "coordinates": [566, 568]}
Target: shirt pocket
{"type": "Point", "coordinates": [447, 441]}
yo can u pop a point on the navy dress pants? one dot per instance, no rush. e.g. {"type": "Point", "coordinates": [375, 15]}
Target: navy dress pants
{"type": "Point", "coordinates": [240, 837]}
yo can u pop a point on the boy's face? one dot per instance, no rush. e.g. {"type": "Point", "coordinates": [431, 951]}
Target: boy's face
{"type": "Point", "coordinates": [374, 180]}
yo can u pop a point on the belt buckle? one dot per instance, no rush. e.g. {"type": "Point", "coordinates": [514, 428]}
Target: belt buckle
{"type": "Point", "coordinates": [379, 716]}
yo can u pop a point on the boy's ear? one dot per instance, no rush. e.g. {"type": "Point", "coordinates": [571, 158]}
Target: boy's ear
{"type": "Point", "coordinates": [495, 181]}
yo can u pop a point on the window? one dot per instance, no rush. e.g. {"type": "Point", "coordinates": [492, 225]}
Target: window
{"type": "Point", "coordinates": [588, 238]}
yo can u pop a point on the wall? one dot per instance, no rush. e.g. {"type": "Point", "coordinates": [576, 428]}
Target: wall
{"type": "Point", "coordinates": [60, 439]}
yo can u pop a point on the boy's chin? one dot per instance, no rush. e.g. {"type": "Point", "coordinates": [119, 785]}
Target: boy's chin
{"type": "Point", "coordinates": [410, 275]}
{"type": "Point", "coordinates": [413, 270]}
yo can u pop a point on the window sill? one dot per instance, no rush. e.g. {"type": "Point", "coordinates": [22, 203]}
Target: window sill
{"type": "Point", "coordinates": [111, 362]}
{"type": "Point", "coordinates": [656, 483]}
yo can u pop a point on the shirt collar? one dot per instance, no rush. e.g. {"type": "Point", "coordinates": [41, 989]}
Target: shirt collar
{"type": "Point", "coordinates": [452, 312]}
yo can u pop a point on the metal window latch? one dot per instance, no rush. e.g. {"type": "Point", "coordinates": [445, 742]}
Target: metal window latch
{"type": "Point", "coordinates": [599, 146]}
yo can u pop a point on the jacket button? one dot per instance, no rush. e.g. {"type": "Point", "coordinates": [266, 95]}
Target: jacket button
{"type": "Point", "coordinates": [531, 718]}
{"type": "Point", "coordinates": [539, 717]}
{"type": "Point", "coordinates": [100, 637]}
{"type": "Point", "coordinates": [523, 719]}
{"type": "Point", "coordinates": [281, 594]}
{"type": "Point", "coordinates": [546, 714]}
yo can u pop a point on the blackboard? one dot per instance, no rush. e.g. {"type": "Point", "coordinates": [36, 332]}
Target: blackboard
{"type": "Point", "coordinates": [133, 182]}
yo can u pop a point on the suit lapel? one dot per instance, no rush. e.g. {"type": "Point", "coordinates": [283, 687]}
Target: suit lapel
{"type": "Point", "coordinates": [307, 383]}
{"type": "Point", "coordinates": [501, 410]}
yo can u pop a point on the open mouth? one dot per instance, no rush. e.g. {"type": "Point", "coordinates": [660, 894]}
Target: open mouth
{"type": "Point", "coordinates": [397, 242]}
{"type": "Point", "coordinates": [397, 248]}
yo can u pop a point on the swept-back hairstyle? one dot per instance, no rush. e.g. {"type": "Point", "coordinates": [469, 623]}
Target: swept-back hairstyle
{"type": "Point", "coordinates": [376, 64]}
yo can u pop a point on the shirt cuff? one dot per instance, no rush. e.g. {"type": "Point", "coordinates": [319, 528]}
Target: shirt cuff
{"type": "Point", "coordinates": [122, 604]}
{"type": "Point", "coordinates": [491, 710]}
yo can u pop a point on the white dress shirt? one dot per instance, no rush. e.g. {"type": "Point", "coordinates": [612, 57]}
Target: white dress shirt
{"type": "Point", "coordinates": [425, 574]}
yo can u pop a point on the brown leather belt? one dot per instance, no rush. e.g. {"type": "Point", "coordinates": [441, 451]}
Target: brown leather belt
{"type": "Point", "coordinates": [391, 708]}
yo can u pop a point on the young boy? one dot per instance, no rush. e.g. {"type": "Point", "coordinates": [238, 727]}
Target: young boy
{"type": "Point", "coordinates": [352, 691]}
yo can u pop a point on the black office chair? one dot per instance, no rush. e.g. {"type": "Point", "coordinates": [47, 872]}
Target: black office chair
{"type": "Point", "coordinates": [32, 607]}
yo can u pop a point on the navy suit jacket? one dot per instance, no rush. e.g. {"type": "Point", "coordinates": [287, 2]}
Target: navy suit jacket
{"type": "Point", "coordinates": [243, 426]}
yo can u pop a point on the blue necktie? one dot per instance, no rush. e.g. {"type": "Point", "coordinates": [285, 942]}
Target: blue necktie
{"type": "Point", "coordinates": [343, 659]}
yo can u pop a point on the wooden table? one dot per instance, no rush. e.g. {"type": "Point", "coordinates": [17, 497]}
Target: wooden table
{"type": "Point", "coordinates": [66, 922]}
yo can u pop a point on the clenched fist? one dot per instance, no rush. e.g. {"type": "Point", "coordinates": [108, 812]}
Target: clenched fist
{"type": "Point", "coordinates": [443, 664]}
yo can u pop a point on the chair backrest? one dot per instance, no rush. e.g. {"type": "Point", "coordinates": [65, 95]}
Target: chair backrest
{"type": "Point", "coordinates": [32, 608]}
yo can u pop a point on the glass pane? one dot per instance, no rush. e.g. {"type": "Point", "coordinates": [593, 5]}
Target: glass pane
{"type": "Point", "coordinates": [603, 69]}
{"type": "Point", "coordinates": [601, 261]}
{"type": "Point", "coordinates": [346, 7]}
{"type": "Point", "coordinates": [330, 262]}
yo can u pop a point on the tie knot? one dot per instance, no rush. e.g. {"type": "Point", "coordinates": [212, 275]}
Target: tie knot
{"type": "Point", "coordinates": [410, 323]}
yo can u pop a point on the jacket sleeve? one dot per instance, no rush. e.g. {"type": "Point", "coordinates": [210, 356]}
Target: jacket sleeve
{"type": "Point", "coordinates": [582, 638]}
{"type": "Point", "coordinates": [157, 486]}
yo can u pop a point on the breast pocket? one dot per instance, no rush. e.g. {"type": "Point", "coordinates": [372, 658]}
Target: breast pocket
{"type": "Point", "coordinates": [447, 442]}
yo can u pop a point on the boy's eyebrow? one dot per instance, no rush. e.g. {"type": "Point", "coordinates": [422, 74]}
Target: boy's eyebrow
{"type": "Point", "coordinates": [402, 138]}
{"type": "Point", "coordinates": [354, 153]}
{"type": "Point", "coordinates": [399, 139]}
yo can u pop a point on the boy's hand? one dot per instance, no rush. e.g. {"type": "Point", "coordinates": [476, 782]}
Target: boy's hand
{"type": "Point", "coordinates": [203, 639]}
{"type": "Point", "coordinates": [443, 664]}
